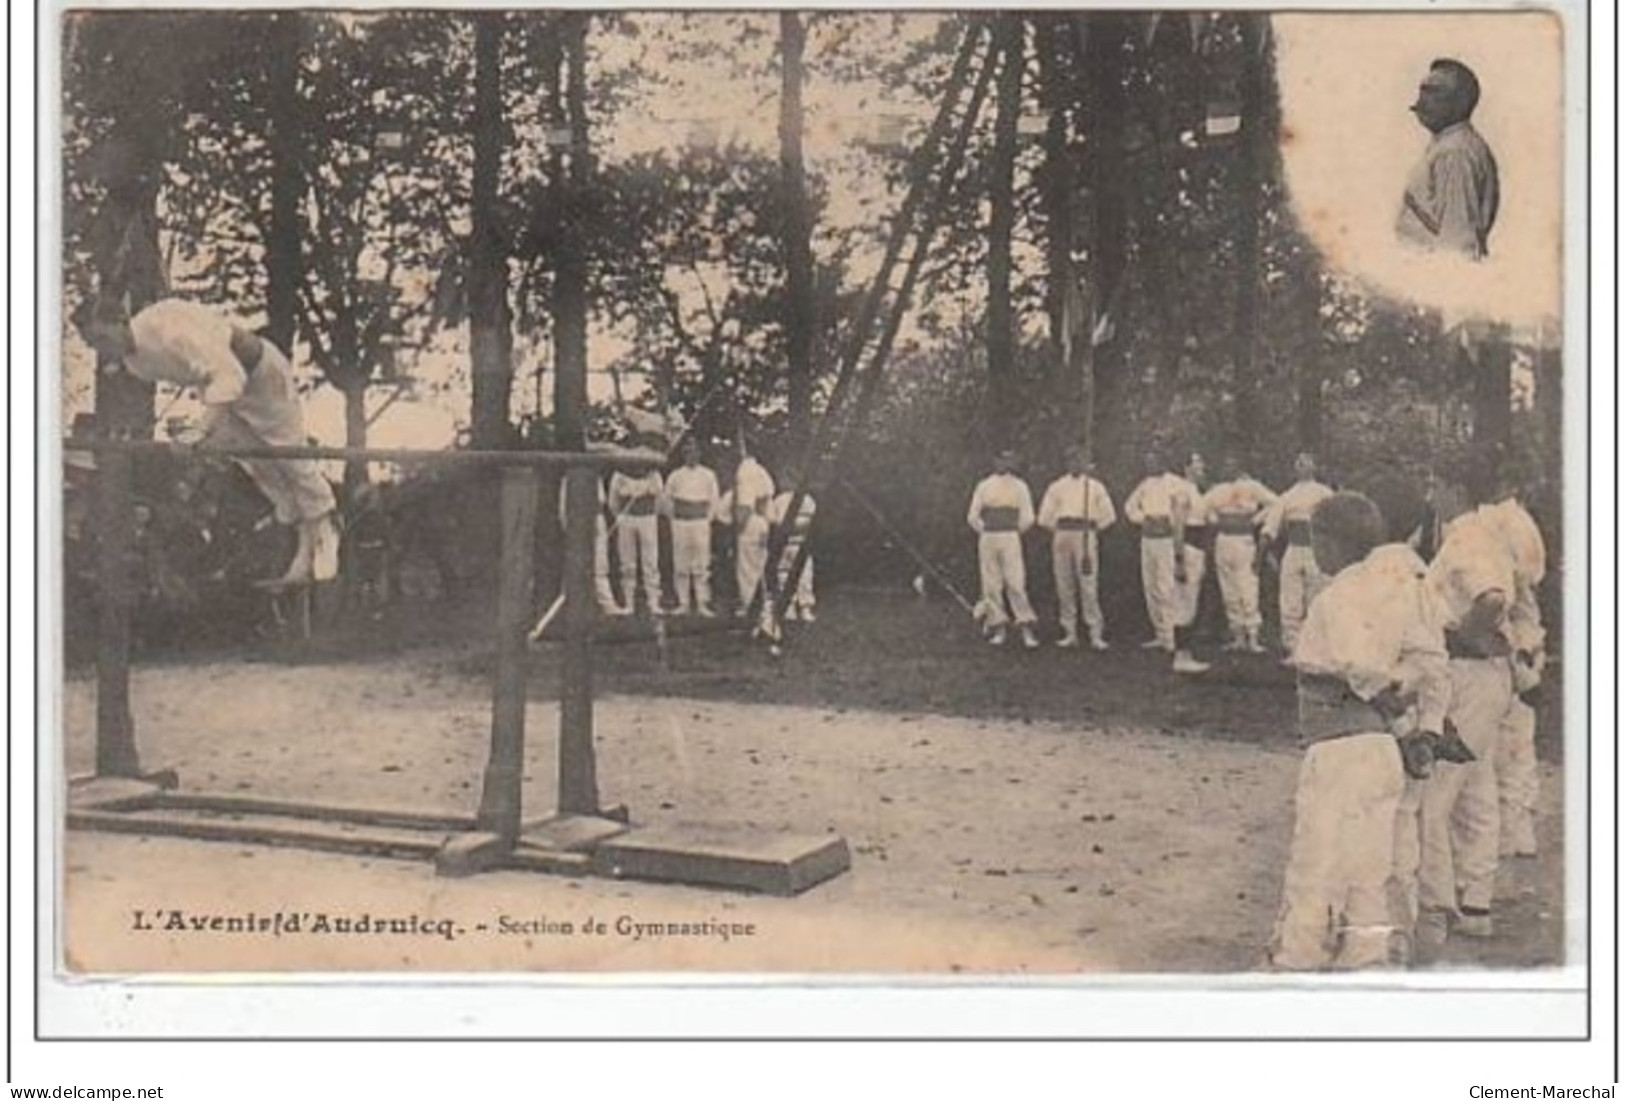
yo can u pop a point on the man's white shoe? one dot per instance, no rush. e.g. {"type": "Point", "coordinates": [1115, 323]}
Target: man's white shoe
{"type": "Point", "coordinates": [1099, 644]}
{"type": "Point", "coordinates": [1028, 639]}
{"type": "Point", "coordinates": [1153, 644]}
{"type": "Point", "coordinates": [1184, 663]}
{"type": "Point", "coordinates": [1067, 642]}
{"type": "Point", "coordinates": [997, 637]}
{"type": "Point", "coordinates": [1475, 925]}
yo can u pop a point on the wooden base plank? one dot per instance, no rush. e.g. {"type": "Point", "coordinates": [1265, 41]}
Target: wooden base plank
{"type": "Point", "coordinates": [526, 858]}
{"type": "Point", "coordinates": [781, 864]}
{"type": "Point", "coordinates": [262, 830]}
{"type": "Point", "coordinates": [322, 812]}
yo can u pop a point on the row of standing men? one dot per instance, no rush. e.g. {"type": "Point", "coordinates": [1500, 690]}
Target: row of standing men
{"type": "Point", "coordinates": [1416, 678]}
{"type": "Point", "coordinates": [692, 500]}
{"type": "Point", "coordinates": [1416, 684]}
{"type": "Point", "coordinates": [1174, 516]}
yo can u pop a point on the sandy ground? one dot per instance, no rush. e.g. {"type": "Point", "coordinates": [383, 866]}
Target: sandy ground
{"type": "Point", "coordinates": [982, 846]}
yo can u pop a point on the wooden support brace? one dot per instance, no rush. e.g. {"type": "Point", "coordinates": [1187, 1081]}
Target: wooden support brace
{"type": "Point", "coordinates": [501, 796]}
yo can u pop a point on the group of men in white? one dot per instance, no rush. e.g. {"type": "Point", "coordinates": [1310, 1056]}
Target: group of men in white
{"type": "Point", "coordinates": [1414, 677]}
{"type": "Point", "coordinates": [1173, 514]}
{"type": "Point", "coordinates": [692, 500]}
{"type": "Point", "coordinates": [1415, 686]}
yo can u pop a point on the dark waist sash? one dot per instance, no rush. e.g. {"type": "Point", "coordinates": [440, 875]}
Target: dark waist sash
{"type": "Point", "coordinates": [641, 506]}
{"type": "Point", "coordinates": [1074, 523]}
{"type": "Point", "coordinates": [1157, 527]}
{"type": "Point", "coordinates": [1328, 708]}
{"type": "Point", "coordinates": [1476, 649]}
{"type": "Point", "coordinates": [1000, 518]}
{"type": "Point", "coordinates": [1235, 523]}
{"type": "Point", "coordinates": [1297, 533]}
{"type": "Point", "coordinates": [690, 510]}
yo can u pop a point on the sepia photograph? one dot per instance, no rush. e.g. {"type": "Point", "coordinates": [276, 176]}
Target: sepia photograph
{"type": "Point", "coordinates": [1053, 495]}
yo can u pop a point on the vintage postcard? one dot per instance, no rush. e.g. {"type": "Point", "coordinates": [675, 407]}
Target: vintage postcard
{"type": "Point", "coordinates": [1067, 495]}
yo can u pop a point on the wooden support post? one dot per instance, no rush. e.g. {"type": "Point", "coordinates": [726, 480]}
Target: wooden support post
{"type": "Point", "coordinates": [578, 770]}
{"type": "Point", "coordinates": [500, 801]}
{"type": "Point", "coordinates": [116, 753]}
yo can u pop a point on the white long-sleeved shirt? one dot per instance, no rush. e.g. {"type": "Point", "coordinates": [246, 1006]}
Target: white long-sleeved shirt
{"type": "Point", "coordinates": [1166, 497]}
{"type": "Point", "coordinates": [1294, 506]}
{"type": "Point", "coordinates": [1528, 551]}
{"type": "Point", "coordinates": [190, 344]}
{"type": "Point", "coordinates": [187, 344]}
{"type": "Point", "coordinates": [1453, 194]}
{"type": "Point", "coordinates": [1001, 491]}
{"type": "Point", "coordinates": [1373, 626]}
{"type": "Point", "coordinates": [753, 489]}
{"type": "Point", "coordinates": [692, 489]}
{"type": "Point", "coordinates": [1243, 497]}
{"type": "Point", "coordinates": [1474, 560]}
{"type": "Point", "coordinates": [635, 494]}
{"type": "Point", "coordinates": [1076, 497]}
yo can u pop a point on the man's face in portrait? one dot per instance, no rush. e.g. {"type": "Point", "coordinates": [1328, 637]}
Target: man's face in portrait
{"type": "Point", "coordinates": [1441, 100]}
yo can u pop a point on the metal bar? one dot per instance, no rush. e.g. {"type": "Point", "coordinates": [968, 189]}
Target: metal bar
{"type": "Point", "coordinates": [627, 458]}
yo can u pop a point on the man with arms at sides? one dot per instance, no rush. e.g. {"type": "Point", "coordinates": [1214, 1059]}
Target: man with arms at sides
{"type": "Point", "coordinates": [752, 512]}
{"type": "Point", "coordinates": [692, 497]}
{"type": "Point", "coordinates": [1473, 584]}
{"type": "Point", "coordinates": [1238, 505]}
{"type": "Point", "coordinates": [1001, 511]}
{"type": "Point", "coordinates": [634, 499]}
{"type": "Point", "coordinates": [1288, 520]}
{"type": "Point", "coordinates": [1076, 508]}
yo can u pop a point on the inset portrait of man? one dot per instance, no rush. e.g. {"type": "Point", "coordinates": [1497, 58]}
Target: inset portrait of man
{"type": "Point", "coordinates": [1454, 192]}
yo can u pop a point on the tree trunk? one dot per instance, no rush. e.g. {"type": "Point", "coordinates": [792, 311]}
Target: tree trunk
{"type": "Point", "coordinates": [570, 284]}
{"type": "Point", "coordinates": [487, 270]}
{"type": "Point", "coordinates": [1259, 129]}
{"type": "Point", "coordinates": [130, 269]}
{"type": "Point", "coordinates": [283, 267]}
{"type": "Point", "coordinates": [1310, 408]}
{"type": "Point", "coordinates": [1108, 184]}
{"type": "Point", "coordinates": [1068, 331]}
{"type": "Point", "coordinates": [797, 235]}
{"type": "Point", "coordinates": [1001, 197]}
{"type": "Point", "coordinates": [1492, 397]}
{"type": "Point", "coordinates": [355, 435]}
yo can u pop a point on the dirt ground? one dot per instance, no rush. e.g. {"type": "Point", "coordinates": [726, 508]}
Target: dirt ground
{"type": "Point", "coordinates": [1045, 813]}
